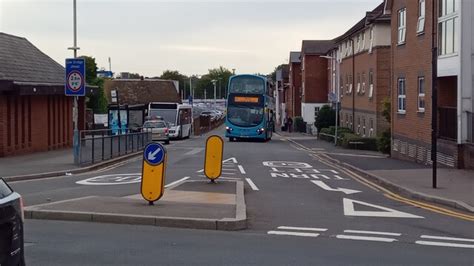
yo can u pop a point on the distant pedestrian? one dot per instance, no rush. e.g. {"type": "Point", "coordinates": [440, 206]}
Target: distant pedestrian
{"type": "Point", "coordinates": [290, 124]}
{"type": "Point", "coordinates": [285, 124]}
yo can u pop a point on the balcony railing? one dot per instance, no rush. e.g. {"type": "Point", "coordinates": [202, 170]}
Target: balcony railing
{"type": "Point", "coordinates": [447, 123]}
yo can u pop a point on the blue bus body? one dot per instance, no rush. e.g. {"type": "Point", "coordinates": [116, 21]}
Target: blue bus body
{"type": "Point", "coordinates": [250, 108]}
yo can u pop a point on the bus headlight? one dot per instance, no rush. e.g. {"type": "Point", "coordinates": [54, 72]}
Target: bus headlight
{"type": "Point", "coordinates": [229, 129]}
{"type": "Point", "coordinates": [260, 130]}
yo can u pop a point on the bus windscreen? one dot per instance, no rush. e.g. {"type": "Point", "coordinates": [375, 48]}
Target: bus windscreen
{"type": "Point", "coordinates": [247, 84]}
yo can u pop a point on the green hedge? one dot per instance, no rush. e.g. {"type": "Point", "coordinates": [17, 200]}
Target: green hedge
{"type": "Point", "coordinates": [367, 143]}
{"type": "Point", "coordinates": [331, 131]}
{"type": "Point", "coordinates": [299, 124]}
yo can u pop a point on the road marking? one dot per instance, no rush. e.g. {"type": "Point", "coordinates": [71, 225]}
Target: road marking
{"type": "Point", "coordinates": [443, 244]}
{"type": "Point", "coordinates": [371, 232]}
{"type": "Point", "coordinates": [447, 238]}
{"type": "Point", "coordinates": [113, 179]}
{"type": "Point", "coordinates": [285, 164]}
{"type": "Point", "coordinates": [229, 178]}
{"type": "Point", "coordinates": [241, 169]}
{"type": "Point", "coordinates": [251, 184]}
{"type": "Point", "coordinates": [200, 171]}
{"type": "Point", "coordinates": [287, 233]}
{"type": "Point", "coordinates": [177, 181]}
{"type": "Point", "coordinates": [230, 159]}
{"type": "Point", "coordinates": [366, 238]}
{"type": "Point", "coordinates": [392, 195]}
{"type": "Point", "coordinates": [303, 228]}
{"type": "Point", "coordinates": [357, 155]}
{"type": "Point", "coordinates": [323, 185]}
{"type": "Point", "coordinates": [229, 169]}
{"type": "Point", "coordinates": [194, 151]}
{"type": "Point", "coordinates": [387, 212]}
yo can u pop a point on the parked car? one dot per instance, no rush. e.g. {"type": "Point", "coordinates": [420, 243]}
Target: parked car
{"type": "Point", "coordinates": [159, 130]}
{"type": "Point", "coordinates": [11, 226]}
{"type": "Point", "coordinates": [212, 115]}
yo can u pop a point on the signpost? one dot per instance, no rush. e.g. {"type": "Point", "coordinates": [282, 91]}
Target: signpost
{"type": "Point", "coordinates": [75, 77]}
{"type": "Point", "coordinates": [213, 158]}
{"type": "Point", "coordinates": [153, 172]}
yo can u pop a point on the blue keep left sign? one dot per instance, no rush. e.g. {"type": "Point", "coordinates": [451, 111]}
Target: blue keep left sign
{"type": "Point", "coordinates": [75, 77]}
{"type": "Point", "coordinates": [154, 153]}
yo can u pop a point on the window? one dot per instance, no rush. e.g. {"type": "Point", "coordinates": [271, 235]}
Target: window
{"type": "Point", "coordinates": [371, 125]}
{"type": "Point", "coordinates": [402, 97]}
{"type": "Point", "coordinates": [358, 125]}
{"type": "Point", "coordinates": [350, 84]}
{"type": "Point", "coordinates": [362, 36]}
{"type": "Point", "coordinates": [358, 83]}
{"type": "Point", "coordinates": [363, 82]}
{"type": "Point", "coordinates": [421, 94]}
{"type": "Point", "coordinates": [371, 84]}
{"type": "Point", "coordinates": [420, 26]}
{"type": "Point", "coordinates": [358, 43]}
{"type": "Point", "coordinates": [402, 25]}
{"type": "Point", "coordinates": [316, 112]}
{"type": "Point", "coordinates": [447, 27]}
{"type": "Point", "coordinates": [363, 127]}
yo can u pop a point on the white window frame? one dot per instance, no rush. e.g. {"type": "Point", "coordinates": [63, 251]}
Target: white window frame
{"type": "Point", "coordinates": [402, 25]}
{"type": "Point", "coordinates": [421, 95]}
{"type": "Point", "coordinates": [402, 98]}
{"type": "Point", "coordinates": [420, 25]}
{"type": "Point", "coordinates": [443, 20]}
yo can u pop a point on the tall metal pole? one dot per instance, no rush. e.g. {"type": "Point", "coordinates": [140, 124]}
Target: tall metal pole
{"type": "Point", "coordinates": [215, 101]}
{"type": "Point", "coordinates": [75, 111]}
{"type": "Point", "coordinates": [353, 84]}
{"type": "Point", "coordinates": [434, 96]}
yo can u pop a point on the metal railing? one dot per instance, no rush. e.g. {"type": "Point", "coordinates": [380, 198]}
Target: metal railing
{"type": "Point", "coordinates": [447, 123]}
{"type": "Point", "coordinates": [102, 145]}
{"type": "Point", "coordinates": [470, 127]}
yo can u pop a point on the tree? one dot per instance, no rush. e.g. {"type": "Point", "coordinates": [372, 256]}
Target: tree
{"type": "Point", "coordinates": [326, 117]}
{"type": "Point", "coordinates": [273, 74]}
{"type": "Point", "coordinates": [175, 75]}
{"type": "Point", "coordinates": [96, 101]}
{"type": "Point", "coordinates": [221, 76]}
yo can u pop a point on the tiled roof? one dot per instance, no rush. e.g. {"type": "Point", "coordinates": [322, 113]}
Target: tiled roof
{"type": "Point", "coordinates": [295, 57]}
{"type": "Point", "coordinates": [21, 61]}
{"type": "Point", "coordinates": [142, 91]}
{"type": "Point", "coordinates": [316, 46]}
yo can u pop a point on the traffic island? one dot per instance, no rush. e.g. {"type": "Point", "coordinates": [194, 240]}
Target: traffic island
{"type": "Point", "coordinates": [192, 204]}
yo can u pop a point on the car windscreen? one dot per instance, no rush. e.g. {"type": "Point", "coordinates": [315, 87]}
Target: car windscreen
{"type": "Point", "coordinates": [150, 124]}
{"type": "Point", "coordinates": [4, 189]}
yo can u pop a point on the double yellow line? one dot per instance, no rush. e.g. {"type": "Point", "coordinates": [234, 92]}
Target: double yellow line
{"type": "Point", "coordinates": [387, 193]}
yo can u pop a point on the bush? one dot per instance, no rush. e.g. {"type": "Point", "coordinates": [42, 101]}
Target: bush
{"type": "Point", "coordinates": [326, 117]}
{"type": "Point", "coordinates": [331, 131]}
{"type": "Point", "coordinates": [323, 134]}
{"type": "Point", "coordinates": [366, 143]}
{"type": "Point", "coordinates": [299, 124]}
{"type": "Point", "coordinates": [384, 142]}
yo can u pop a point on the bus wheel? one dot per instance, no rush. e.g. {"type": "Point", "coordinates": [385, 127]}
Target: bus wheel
{"type": "Point", "coordinates": [231, 139]}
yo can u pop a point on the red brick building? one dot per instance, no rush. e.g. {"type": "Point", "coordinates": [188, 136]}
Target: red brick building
{"type": "Point", "coordinates": [412, 38]}
{"type": "Point", "coordinates": [363, 56]}
{"type": "Point", "coordinates": [294, 90]}
{"type": "Point", "coordinates": [314, 82]}
{"type": "Point", "coordinates": [34, 113]}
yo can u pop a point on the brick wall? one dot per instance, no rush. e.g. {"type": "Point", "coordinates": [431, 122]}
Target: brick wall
{"type": "Point", "coordinates": [34, 123]}
{"type": "Point", "coordinates": [295, 88]}
{"type": "Point", "coordinates": [315, 80]}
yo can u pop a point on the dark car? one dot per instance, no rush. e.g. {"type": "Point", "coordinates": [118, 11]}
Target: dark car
{"type": "Point", "coordinates": [11, 226]}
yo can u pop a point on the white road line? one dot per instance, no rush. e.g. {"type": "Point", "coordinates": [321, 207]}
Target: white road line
{"type": "Point", "coordinates": [443, 244]}
{"type": "Point", "coordinates": [200, 171]}
{"type": "Point", "coordinates": [224, 173]}
{"type": "Point", "coordinates": [222, 177]}
{"type": "Point", "coordinates": [323, 185]}
{"type": "Point", "coordinates": [303, 228]}
{"type": "Point", "coordinates": [367, 238]}
{"type": "Point", "coordinates": [287, 233]}
{"type": "Point", "coordinates": [229, 178]}
{"type": "Point", "coordinates": [177, 181]}
{"type": "Point", "coordinates": [242, 171]}
{"type": "Point", "coordinates": [229, 169]}
{"type": "Point", "coordinates": [251, 184]}
{"type": "Point", "coordinates": [194, 151]}
{"type": "Point", "coordinates": [372, 232]}
{"type": "Point", "coordinates": [447, 238]}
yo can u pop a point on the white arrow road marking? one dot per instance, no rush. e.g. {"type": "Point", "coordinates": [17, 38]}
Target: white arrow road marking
{"type": "Point", "coordinates": [251, 184]}
{"type": "Point", "coordinates": [323, 185]}
{"type": "Point", "coordinates": [152, 155]}
{"type": "Point", "coordinates": [230, 159]}
{"type": "Point", "coordinates": [386, 212]}
{"type": "Point", "coordinates": [288, 233]}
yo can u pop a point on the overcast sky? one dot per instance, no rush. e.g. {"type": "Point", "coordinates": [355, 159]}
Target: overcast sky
{"type": "Point", "coordinates": [190, 36]}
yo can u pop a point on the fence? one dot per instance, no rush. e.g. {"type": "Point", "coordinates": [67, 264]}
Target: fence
{"type": "Point", "coordinates": [101, 145]}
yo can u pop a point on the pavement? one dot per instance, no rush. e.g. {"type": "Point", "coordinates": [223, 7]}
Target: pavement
{"type": "Point", "coordinates": [455, 187]}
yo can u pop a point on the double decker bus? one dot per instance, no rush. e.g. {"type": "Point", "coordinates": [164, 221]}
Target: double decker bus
{"type": "Point", "coordinates": [250, 108]}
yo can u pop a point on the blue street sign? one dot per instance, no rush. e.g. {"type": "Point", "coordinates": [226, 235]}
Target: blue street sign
{"type": "Point", "coordinates": [75, 77]}
{"type": "Point", "coordinates": [154, 153]}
